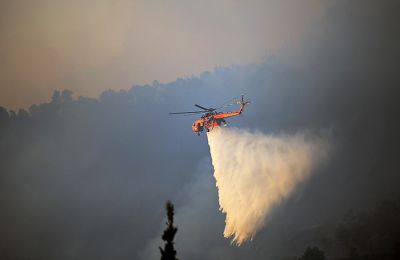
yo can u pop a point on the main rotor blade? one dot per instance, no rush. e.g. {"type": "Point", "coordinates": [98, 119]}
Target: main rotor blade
{"type": "Point", "coordinates": [206, 109]}
{"type": "Point", "coordinates": [190, 112]}
{"type": "Point", "coordinates": [230, 102]}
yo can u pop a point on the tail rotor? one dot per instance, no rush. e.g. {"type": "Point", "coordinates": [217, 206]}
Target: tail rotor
{"type": "Point", "coordinates": [243, 102]}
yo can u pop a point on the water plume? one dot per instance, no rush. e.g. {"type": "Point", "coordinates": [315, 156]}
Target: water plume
{"type": "Point", "coordinates": [255, 172]}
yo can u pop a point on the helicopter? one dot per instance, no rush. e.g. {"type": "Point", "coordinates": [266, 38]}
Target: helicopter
{"type": "Point", "coordinates": [210, 118]}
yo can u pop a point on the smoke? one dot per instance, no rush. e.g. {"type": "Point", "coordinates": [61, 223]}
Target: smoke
{"type": "Point", "coordinates": [255, 172]}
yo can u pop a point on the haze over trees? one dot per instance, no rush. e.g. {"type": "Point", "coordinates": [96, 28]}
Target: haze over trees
{"type": "Point", "coordinates": [312, 253]}
{"type": "Point", "coordinates": [83, 178]}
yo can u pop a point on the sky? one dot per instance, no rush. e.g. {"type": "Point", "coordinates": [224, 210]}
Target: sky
{"type": "Point", "coordinates": [90, 46]}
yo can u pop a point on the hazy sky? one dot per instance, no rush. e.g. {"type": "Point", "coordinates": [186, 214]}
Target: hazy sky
{"type": "Point", "coordinates": [93, 45]}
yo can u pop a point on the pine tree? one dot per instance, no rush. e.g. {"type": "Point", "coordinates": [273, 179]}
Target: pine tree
{"type": "Point", "coordinates": [169, 253]}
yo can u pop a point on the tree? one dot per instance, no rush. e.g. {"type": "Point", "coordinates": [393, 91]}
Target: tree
{"type": "Point", "coordinates": [66, 96]}
{"type": "Point", "coordinates": [4, 116]}
{"type": "Point", "coordinates": [373, 234]}
{"type": "Point", "coordinates": [312, 253]}
{"type": "Point", "coordinates": [56, 98]}
{"type": "Point", "coordinates": [169, 253]}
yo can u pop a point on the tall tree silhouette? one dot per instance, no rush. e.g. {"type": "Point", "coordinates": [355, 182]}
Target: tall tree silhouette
{"type": "Point", "coordinates": [169, 253]}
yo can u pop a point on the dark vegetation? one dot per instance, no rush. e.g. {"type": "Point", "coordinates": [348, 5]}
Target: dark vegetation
{"type": "Point", "coordinates": [312, 253]}
{"type": "Point", "coordinates": [374, 234]}
{"type": "Point", "coordinates": [81, 178]}
{"type": "Point", "coordinates": [169, 252]}
{"type": "Point", "coordinates": [368, 235]}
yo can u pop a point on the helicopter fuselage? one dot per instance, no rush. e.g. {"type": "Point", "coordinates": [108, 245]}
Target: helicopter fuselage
{"type": "Point", "coordinates": [213, 119]}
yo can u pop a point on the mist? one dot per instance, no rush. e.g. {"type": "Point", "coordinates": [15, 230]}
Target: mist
{"type": "Point", "coordinates": [255, 173]}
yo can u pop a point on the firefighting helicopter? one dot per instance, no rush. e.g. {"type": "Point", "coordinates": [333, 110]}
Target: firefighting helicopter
{"type": "Point", "coordinates": [210, 118]}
